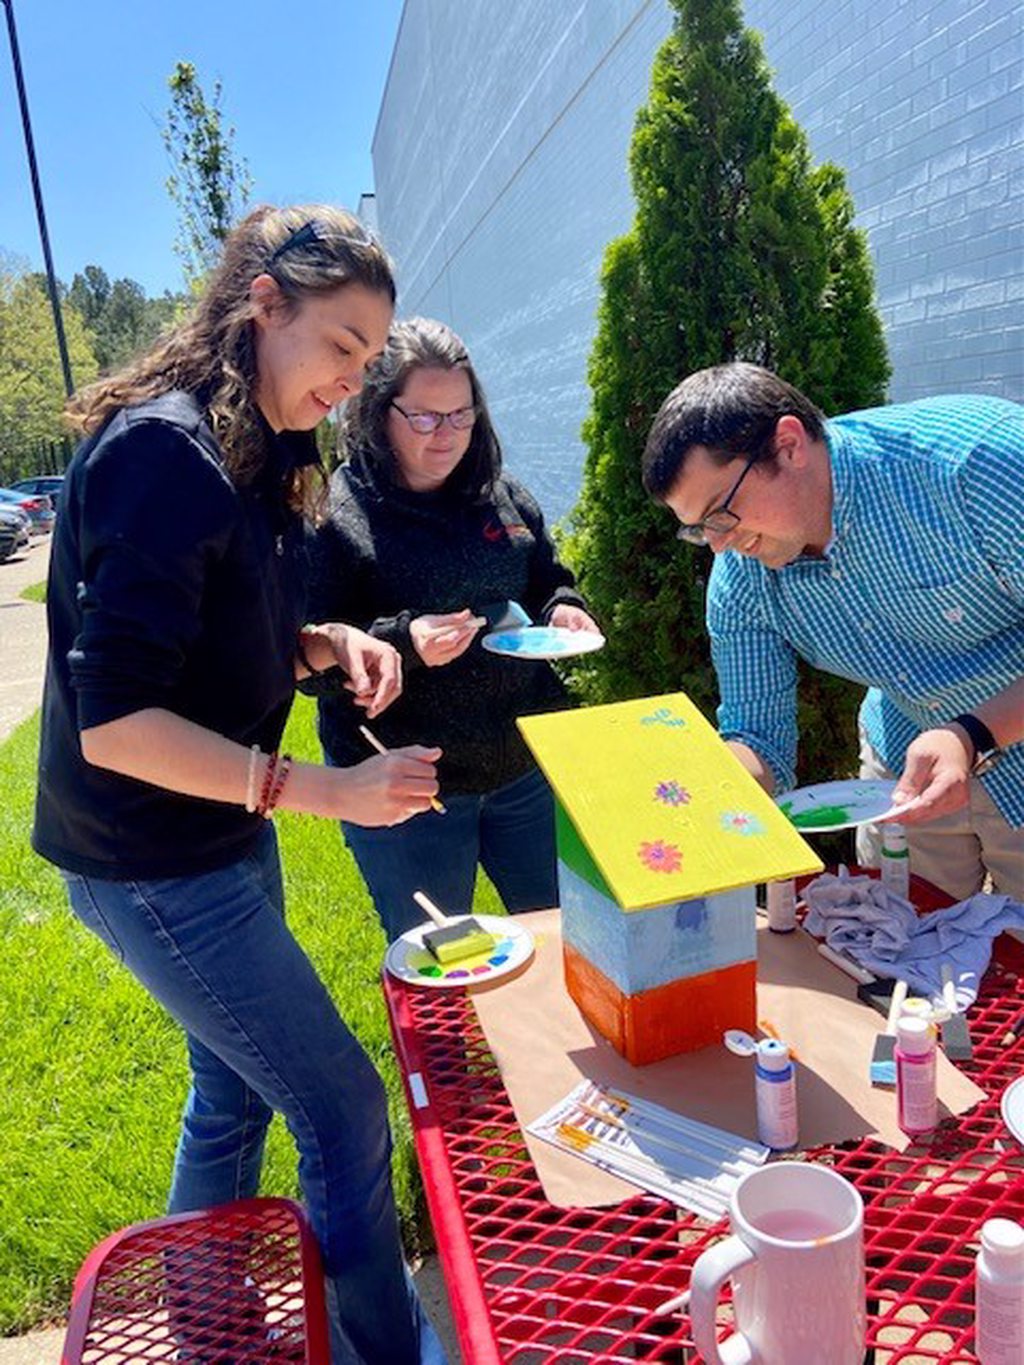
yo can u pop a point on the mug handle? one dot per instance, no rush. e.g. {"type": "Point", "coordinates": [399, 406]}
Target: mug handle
{"type": "Point", "coordinates": [712, 1269]}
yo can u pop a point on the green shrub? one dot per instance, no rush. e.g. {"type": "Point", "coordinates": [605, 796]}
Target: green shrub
{"type": "Point", "coordinates": [740, 250]}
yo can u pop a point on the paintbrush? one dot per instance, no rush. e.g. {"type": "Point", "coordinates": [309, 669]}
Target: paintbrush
{"type": "Point", "coordinates": [956, 1040]}
{"type": "Point", "coordinates": [375, 743]}
{"type": "Point", "coordinates": [1014, 1031]}
{"type": "Point", "coordinates": [454, 938]}
{"type": "Point", "coordinates": [883, 1060]}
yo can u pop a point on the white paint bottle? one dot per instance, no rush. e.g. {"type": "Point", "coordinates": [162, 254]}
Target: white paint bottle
{"type": "Point", "coordinates": [781, 902]}
{"type": "Point", "coordinates": [775, 1093]}
{"type": "Point", "coordinates": [999, 1296]}
{"type": "Point", "coordinates": [916, 1095]}
{"type": "Point", "coordinates": [895, 860]}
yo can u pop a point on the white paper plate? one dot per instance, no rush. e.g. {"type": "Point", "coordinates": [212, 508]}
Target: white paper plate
{"type": "Point", "coordinates": [542, 642]}
{"type": "Point", "coordinates": [1012, 1108]}
{"type": "Point", "coordinates": [839, 805]}
{"type": "Point", "coordinates": [409, 961]}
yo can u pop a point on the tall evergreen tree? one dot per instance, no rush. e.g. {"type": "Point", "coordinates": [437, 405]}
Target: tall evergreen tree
{"type": "Point", "coordinates": [740, 250]}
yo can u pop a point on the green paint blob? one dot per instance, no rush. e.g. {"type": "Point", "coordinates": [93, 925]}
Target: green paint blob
{"type": "Point", "coordinates": [820, 815]}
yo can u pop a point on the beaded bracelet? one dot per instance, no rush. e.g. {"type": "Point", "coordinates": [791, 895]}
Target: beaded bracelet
{"type": "Point", "coordinates": [268, 784]}
{"type": "Point", "coordinates": [280, 778]}
{"type": "Point", "coordinates": [250, 786]}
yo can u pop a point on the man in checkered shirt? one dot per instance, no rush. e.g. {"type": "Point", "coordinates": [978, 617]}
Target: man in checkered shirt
{"type": "Point", "coordinates": [886, 546]}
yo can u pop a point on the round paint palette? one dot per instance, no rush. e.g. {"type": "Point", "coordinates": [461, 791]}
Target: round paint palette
{"type": "Point", "coordinates": [838, 805]}
{"type": "Point", "coordinates": [409, 961]}
{"type": "Point", "coordinates": [1012, 1108]}
{"type": "Point", "coordinates": [542, 642]}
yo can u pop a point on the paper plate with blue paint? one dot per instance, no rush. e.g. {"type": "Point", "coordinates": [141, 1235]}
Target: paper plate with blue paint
{"type": "Point", "coordinates": [542, 642]}
{"type": "Point", "coordinates": [409, 961]}
{"type": "Point", "coordinates": [839, 805]}
{"type": "Point", "coordinates": [1012, 1108]}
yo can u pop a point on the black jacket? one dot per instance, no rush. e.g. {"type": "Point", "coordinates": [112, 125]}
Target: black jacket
{"type": "Point", "coordinates": [169, 587]}
{"type": "Point", "coordinates": [386, 555]}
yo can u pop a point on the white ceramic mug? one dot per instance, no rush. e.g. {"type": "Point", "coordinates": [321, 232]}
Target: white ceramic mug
{"type": "Point", "coordinates": [796, 1261]}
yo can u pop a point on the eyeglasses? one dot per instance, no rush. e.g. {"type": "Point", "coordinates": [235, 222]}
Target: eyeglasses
{"type": "Point", "coordinates": [719, 521]}
{"type": "Point", "coordinates": [316, 231]}
{"type": "Point", "coordinates": [423, 423]}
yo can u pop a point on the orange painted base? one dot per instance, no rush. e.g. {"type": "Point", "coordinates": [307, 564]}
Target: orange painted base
{"type": "Point", "coordinates": [680, 1016]}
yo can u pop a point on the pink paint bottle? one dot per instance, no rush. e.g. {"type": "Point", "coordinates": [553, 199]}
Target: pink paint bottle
{"type": "Point", "coordinates": [916, 1096]}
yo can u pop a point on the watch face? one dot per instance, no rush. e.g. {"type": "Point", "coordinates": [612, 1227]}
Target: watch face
{"type": "Point", "coordinates": [985, 762]}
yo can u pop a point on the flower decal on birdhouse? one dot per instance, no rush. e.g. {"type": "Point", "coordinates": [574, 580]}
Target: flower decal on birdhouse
{"type": "Point", "coordinates": [671, 794]}
{"type": "Point", "coordinates": [659, 856]}
{"type": "Point", "coordinates": [741, 822]}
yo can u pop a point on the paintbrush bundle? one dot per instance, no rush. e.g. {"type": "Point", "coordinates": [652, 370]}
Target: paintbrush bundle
{"type": "Point", "coordinates": [691, 1164]}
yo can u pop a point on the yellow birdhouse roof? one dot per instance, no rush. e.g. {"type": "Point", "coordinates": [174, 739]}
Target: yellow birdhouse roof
{"type": "Point", "coordinates": [661, 804]}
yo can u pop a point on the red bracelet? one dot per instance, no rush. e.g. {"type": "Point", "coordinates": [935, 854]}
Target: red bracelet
{"type": "Point", "coordinates": [268, 783]}
{"type": "Point", "coordinates": [280, 778]}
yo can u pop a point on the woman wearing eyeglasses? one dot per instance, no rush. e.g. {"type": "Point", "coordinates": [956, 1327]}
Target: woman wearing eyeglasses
{"type": "Point", "coordinates": [176, 610]}
{"type": "Point", "coordinates": [424, 533]}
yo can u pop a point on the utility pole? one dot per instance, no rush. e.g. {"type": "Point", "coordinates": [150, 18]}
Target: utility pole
{"type": "Point", "coordinates": [51, 279]}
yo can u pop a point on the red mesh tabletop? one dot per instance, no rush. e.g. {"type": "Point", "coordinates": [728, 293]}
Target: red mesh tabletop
{"type": "Point", "coordinates": [532, 1284]}
{"type": "Point", "coordinates": [240, 1284]}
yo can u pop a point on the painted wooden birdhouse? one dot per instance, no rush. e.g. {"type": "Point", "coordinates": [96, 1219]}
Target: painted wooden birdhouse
{"type": "Point", "coordinates": [663, 837]}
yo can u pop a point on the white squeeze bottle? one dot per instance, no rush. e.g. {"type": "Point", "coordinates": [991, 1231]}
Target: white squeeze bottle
{"type": "Point", "coordinates": [999, 1296]}
{"type": "Point", "coordinates": [780, 898]}
{"type": "Point", "coordinates": [775, 1093]}
{"type": "Point", "coordinates": [895, 860]}
{"type": "Point", "coordinates": [916, 1095]}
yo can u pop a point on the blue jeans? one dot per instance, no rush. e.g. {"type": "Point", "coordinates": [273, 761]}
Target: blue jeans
{"type": "Point", "coordinates": [510, 832]}
{"type": "Point", "coordinates": [263, 1035]}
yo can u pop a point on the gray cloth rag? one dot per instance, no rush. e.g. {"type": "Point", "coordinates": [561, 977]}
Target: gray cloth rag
{"type": "Point", "coordinates": [860, 917]}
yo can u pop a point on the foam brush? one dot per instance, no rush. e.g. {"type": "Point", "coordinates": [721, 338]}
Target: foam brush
{"type": "Point", "coordinates": [455, 937]}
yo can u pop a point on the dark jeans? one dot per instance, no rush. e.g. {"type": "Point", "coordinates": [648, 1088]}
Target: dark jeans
{"type": "Point", "coordinates": [264, 1035]}
{"type": "Point", "coordinates": [510, 832]}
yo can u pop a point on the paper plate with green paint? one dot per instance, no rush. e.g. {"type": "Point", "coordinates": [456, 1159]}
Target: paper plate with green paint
{"type": "Point", "coordinates": [412, 963]}
{"type": "Point", "coordinates": [839, 805]}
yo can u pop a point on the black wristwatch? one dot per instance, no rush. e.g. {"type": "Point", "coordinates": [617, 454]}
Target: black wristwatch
{"type": "Point", "coordinates": [987, 752]}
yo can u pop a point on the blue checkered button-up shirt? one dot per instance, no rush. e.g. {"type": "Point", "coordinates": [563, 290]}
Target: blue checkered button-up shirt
{"type": "Point", "coordinates": [920, 593]}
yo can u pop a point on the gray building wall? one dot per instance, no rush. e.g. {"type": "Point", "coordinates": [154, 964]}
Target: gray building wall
{"type": "Point", "coordinates": [500, 169]}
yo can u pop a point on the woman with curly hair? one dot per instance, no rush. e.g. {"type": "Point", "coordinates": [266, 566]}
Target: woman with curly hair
{"type": "Point", "coordinates": [425, 531]}
{"type": "Point", "coordinates": [176, 608]}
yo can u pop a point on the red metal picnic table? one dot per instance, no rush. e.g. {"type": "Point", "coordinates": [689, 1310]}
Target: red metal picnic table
{"type": "Point", "coordinates": [534, 1284]}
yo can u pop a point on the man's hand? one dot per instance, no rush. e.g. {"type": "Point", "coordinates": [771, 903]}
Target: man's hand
{"type": "Point", "coordinates": [935, 776]}
{"type": "Point", "coordinates": [572, 618]}
{"type": "Point", "coordinates": [438, 639]}
{"type": "Point", "coordinates": [373, 667]}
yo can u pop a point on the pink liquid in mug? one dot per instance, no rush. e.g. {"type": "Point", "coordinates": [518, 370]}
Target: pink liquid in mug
{"type": "Point", "coordinates": [794, 1225]}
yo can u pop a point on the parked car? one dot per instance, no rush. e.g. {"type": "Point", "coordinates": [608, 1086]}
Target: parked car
{"type": "Point", "coordinates": [37, 507]}
{"type": "Point", "coordinates": [13, 531]}
{"type": "Point", "coordinates": [50, 484]}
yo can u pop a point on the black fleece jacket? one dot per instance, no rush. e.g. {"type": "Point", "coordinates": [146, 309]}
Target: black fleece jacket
{"type": "Point", "coordinates": [386, 555]}
{"type": "Point", "coordinates": [169, 587]}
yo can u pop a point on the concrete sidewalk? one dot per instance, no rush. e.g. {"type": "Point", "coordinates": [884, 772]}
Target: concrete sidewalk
{"type": "Point", "coordinates": [22, 666]}
{"type": "Point", "coordinates": [22, 635]}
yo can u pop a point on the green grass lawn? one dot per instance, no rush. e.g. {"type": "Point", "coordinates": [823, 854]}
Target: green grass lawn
{"type": "Point", "coordinates": [93, 1073]}
{"type": "Point", "coordinates": [35, 592]}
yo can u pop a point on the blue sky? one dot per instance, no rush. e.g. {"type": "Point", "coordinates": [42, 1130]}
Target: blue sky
{"type": "Point", "coordinates": [302, 88]}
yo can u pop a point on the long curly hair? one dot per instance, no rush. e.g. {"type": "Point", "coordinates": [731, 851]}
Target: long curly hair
{"type": "Point", "coordinates": [306, 249]}
{"type": "Point", "coordinates": [421, 344]}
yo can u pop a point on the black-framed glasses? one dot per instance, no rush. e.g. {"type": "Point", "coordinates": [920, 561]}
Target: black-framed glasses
{"type": "Point", "coordinates": [316, 231]}
{"type": "Point", "coordinates": [423, 423]}
{"type": "Point", "coordinates": [719, 521]}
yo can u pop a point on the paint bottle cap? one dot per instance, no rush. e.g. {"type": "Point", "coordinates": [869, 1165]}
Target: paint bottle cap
{"type": "Point", "coordinates": [739, 1042]}
{"type": "Point", "coordinates": [1002, 1241]}
{"type": "Point", "coordinates": [914, 1035]}
{"type": "Point", "coordinates": [772, 1054]}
